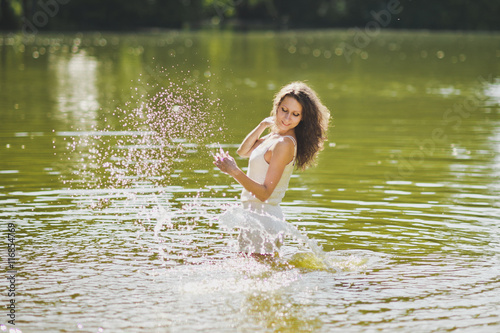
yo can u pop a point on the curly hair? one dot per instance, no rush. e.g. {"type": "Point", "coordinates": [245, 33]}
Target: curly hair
{"type": "Point", "coordinates": [312, 130]}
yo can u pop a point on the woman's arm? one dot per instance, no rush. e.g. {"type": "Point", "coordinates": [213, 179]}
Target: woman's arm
{"type": "Point", "coordinates": [282, 153]}
{"type": "Point", "coordinates": [253, 138]}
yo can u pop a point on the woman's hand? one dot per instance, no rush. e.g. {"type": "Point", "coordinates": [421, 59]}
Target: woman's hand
{"type": "Point", "coordinates": [225, 162]}
{"type": "Point", "coordinates": [268, 122]}
{"type": "Point", "coordinates": [253, 139]}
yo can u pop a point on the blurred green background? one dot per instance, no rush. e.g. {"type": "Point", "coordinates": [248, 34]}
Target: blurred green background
{"type": "Point", "coordinates": [31, 15]}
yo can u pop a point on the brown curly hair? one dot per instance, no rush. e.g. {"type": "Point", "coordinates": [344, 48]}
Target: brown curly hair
{"type": "Point", "coordinates": [312, 130]}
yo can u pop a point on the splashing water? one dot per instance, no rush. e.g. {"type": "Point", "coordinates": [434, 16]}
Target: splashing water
{"type": "Point", "coordinates": [139, 146]}
{"type": "Point", "coordinates": [255, 227]}
{"type": "Point", "coordinates": [268, 226]}
{"type": "Point", "coordinates": [162, 123]}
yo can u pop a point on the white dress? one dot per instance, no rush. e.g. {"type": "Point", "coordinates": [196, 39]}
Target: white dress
{"type": "Point", "coordinates": [265, 220]}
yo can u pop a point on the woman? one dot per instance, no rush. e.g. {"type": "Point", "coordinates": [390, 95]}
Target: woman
{"type": "Point", "coordinates": [298, 123]}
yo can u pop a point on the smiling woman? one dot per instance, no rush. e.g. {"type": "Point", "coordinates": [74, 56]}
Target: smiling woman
{"type": "Point", "coordinates": [289, 114]}
{"type": "Point", "coordinates": [298, 123]}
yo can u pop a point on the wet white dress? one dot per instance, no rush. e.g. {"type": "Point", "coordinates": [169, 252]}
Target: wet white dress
{"type": "Point", "coordinates": [265, 220]}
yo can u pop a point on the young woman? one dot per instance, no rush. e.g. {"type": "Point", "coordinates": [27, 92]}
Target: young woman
{"type": "Point", "coordinates": [298, 123]}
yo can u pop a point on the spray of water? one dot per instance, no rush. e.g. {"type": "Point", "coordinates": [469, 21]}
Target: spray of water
{"type": "Point", "coordinates": [168, 116]}
{"type": "Point", "coordinates": [140, 145]}
{"type": "Point", "coordinates": [131, 165]}
{"type": "Point", "coordinates": [264, 233]}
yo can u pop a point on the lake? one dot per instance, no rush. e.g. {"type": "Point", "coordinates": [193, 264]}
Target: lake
{"type": "Point", "coordinates": [109, 201]}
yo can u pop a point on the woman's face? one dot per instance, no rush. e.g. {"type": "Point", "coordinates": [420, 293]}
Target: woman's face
{"type": "Point", "coordinates": [289, 114]}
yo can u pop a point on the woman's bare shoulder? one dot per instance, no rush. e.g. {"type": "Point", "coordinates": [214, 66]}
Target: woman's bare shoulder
{"type": "Point", "coordinates": [284, 146]}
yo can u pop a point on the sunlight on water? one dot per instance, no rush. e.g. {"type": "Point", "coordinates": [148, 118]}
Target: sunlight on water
{"type": "Point", "coordinates": [77, 97]}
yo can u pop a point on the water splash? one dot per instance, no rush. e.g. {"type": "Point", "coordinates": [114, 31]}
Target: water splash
{"type": "Point", "coordinates": [295, 249]}
{"type": "Point", "coordinates": [141, 145]}
{"type": "Point", "coordinates": [167, 117]}
{"type": "Point", "coordinates": [164, 220]}
{"type": "Point", "coordinates": [263, 233]}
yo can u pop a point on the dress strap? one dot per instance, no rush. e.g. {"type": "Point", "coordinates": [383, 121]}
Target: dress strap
{"type": "Point", "coordinates": [291, 137]}
{"type": "Point", "coordinates": [295, 146]}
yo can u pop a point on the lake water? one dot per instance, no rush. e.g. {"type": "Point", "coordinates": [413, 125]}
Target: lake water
{"type": "Point", "coordinates": [107, 186]}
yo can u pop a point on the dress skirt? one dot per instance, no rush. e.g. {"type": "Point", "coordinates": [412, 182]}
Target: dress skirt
{"type": "Point", "coordinates": [262, 226]}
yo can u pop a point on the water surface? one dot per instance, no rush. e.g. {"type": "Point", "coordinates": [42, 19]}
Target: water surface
{"type": "Point", "coordinates": [116, 213]}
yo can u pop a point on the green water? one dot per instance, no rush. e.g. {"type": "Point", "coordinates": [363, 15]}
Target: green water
{"type": "Point", "coordinates": [404, 200]}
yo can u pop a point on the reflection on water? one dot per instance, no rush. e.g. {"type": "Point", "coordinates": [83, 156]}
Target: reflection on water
{"type": "Point", "coordinates": [77, 91]}
{"type": "Point", "coordinates": [105, 171]}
